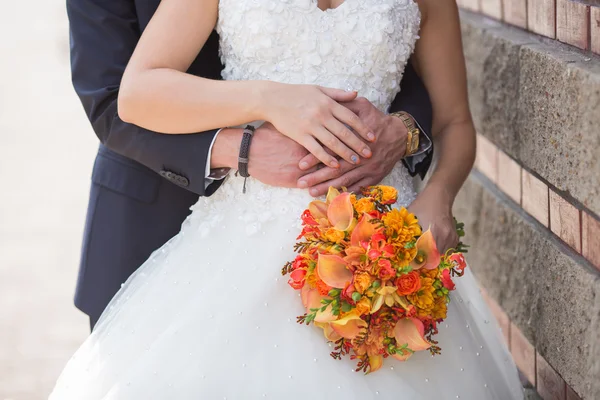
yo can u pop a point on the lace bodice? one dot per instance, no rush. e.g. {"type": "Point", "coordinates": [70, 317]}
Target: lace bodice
{"type": "Point", "coordinates": [361, 45]}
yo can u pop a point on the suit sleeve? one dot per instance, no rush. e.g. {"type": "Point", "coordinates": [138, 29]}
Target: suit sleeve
{"type": "Point", "coordinates": [414, 99]}
{"type": "Point", "coordinates": [103, 35]}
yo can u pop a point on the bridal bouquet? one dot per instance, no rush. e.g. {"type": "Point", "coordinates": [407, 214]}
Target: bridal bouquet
{"type": "Point", "coordinates": [370, 278]}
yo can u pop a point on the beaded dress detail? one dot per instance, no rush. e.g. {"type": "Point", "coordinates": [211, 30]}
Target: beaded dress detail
{"type": "Point", "coordinates": [209, 316]}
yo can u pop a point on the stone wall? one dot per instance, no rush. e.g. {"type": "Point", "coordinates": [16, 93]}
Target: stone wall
{"type": "Point", "coordinates": [531, 205]}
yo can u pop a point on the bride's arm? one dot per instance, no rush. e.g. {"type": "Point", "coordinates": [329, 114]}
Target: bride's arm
{"type": "Point", "coordinates": [439, 58]}
{"type": "Point", "coordinates": [157, 94]}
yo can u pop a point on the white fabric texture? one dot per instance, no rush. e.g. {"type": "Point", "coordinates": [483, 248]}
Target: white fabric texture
{"type": "Point", "coordinates": [209, 315]}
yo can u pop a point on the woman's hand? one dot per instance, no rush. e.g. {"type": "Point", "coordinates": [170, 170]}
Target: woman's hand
{"type": "Point", "coordinates": [433, 208]}
{"type": "Point", "coordinates": [312, 116]}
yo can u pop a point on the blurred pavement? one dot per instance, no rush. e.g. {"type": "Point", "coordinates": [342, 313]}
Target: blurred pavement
{"type": "Point", "coordinates": [46, 153]}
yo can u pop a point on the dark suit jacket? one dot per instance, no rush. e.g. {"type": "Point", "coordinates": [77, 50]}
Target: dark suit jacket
{"type": "Point", "coordinates": [143, 182]}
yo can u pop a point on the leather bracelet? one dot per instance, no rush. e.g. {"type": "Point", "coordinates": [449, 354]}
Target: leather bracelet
{"type": "Point", "coordinates": [243, 158]}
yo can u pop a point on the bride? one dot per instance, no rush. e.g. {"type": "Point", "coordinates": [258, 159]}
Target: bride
{"type": "Point", "coordinates": [208, 315]}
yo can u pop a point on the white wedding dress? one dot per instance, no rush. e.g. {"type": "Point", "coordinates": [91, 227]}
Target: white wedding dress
{"type": "Point", "coordinates": [209, 315]}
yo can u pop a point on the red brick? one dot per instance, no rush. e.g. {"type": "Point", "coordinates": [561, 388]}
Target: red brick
{"type": "Point", "coordinates": [571, 394]}
{"type": "Point", "coordinates": [515, 12]}
{"type": "Point", "coordinates": [487, 158]}
{"type": "Point", "coordinates": [565, 221]}
{"type": "Point", "coordinates": [590, 239]}
{"type": "Point", "coordinates": [509, 176]}
{"type": "Point", "coordinates": [541, 17]}
{"type": "Point", "coordinates": [523, 353]}
{"type": "Point", "coordinates": [500, 315]}
{"type": "Point", "coordinates": [572, 23]}
{"type": "Point", "coordinates": [595, 29]}
{"type": "Point", "coordinates": [535, 197]}
{"type": "Point", "coordinates": [492, 8]}
{"type": "Point", "coordinates": [550, 385]}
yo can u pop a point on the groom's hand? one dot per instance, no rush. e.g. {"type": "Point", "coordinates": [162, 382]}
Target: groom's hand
{"type": "Point", "coordinates": [388, 149]}
{"type": "Point", "coordinates": [274, 158]}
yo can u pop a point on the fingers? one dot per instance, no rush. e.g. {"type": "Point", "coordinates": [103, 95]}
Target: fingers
{"type": "Point", "coordinates": [358, 186]}
{"type": "Point", "coordinates": [309, 161]}
{"type": "Point", "coordinates": [334, 144]}
{"type": "Point", "coordinates": [349, 118]}
{"type": "Point", "coordinates": [348, 137]}
{"type": "Point", "coordinates": [348, 179]}
{"type": "Point", "coordinates": [323, 175]}
{"type": "Point", "coordinates": [445, 236]}
{"type": "Point", "coordinates": [339, 94]}
{"type": "Point", "coordinates": [319, 152]}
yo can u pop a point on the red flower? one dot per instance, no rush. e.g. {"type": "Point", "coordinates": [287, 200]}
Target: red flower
{"type": "Point", "coordinates": [299, 262]}
{"type": "Point", "coordinates": [374, 254]}
{"type": "Point", "coordinates": [459, 260]}
{"type": "Point", "coordinates": [386, 271]}
{"type": "Point", "coordinates": [308, 219]}
{"type": "Point", "coordinates": [447, 280]}
{"type": "Point", "coordinates": [297, 278]}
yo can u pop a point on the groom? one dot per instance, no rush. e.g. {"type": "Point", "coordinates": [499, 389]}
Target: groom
{"type": "Point", "coordinates": [144, 182]}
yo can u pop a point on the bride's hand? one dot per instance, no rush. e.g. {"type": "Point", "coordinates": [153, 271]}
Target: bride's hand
{"type": "Point", "coordinates": [312, 116]}
{"type": "Point", "coordinates": [433, 208]}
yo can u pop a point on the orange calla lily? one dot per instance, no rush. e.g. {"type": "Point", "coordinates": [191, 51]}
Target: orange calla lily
{"type": "Point", "coordinates": [328, 331]}
{"type": "Point", "coordinates": [363, 231]}
{"type": "Point", "coordinates": [411, 331]}
{"type": "Point", "coordinates": [313, 300]}
{"type": "Point", "coordinates": [332, 270]}
{"type": "Point", "coordinates": [403, 355]}
{"type": "Point", "coordinates": [385, 294]}
{"type": "Point", "coordinates": [428, 256]}
{"type": "Point", "coordinates": [304, 294]}
{"type": "Point", "coordinates": [349, 326]}
{"type": "Point", "coordinates": [318, 209]}
{"type": "Point", "coordinates": [375, 362]}
{"type": "Point", "coordinates": [341, 213]}
{"type": "Point", "coordinates": [332, 193]}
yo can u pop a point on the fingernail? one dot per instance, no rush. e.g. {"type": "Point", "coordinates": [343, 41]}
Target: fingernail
{"type": "Point", "coordinates": [367, 152]}
{"type": "Point", "coordinates": [313, 192]}
{"type": "Point", "coordinates": [303, 165]}
{"type": "Point", "coordinates": [354, 158]}
{"type": "Point", "coordinates": [371, 136]}
{"type": "Point", "coordinates": [335, 164]}
{"type": "Point", "coordinates": [302, 184]}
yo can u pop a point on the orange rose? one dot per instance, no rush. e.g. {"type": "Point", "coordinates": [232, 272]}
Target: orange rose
{"type": "Point", "coordinates": [364, 205]}
{"type": "Point", "coordinates": [362, 281]}
{"type": "Point", "coordinates": [408, 283]}
{"type": "Point", "coordinates": [363, 306]}
{"type": "Point", "coordinates": [334, 235]}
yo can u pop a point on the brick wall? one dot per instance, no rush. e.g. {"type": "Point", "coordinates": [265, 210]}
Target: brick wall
{"type": "Point", "coordinates": [531, 205]}
{"type": "Point", "coordinates": [574, 23]}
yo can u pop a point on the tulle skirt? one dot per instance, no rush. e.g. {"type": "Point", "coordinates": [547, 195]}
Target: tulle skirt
{"type": "Point", "coordinates": [209, 316]}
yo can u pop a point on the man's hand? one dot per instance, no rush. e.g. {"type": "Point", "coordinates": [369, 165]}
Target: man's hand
{"type": "Point", "coordinates": [388, 149]}
{"type": "Point", "coordinates": [433, 209]}
{"type": "Point", "coordinates": [274, 158]}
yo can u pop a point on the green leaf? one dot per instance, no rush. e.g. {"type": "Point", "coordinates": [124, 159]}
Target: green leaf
{"type": "Point", "coordinates": [356, 296]}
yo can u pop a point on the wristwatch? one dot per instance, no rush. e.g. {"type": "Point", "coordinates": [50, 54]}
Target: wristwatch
{"type": "Point", "coordinates": [419, 146]}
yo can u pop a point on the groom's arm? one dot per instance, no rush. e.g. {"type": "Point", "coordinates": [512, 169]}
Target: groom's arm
{"type": "Point", "coordinates": [414, 100]}
{"type": "Point", "coordinates": [103, 35]}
